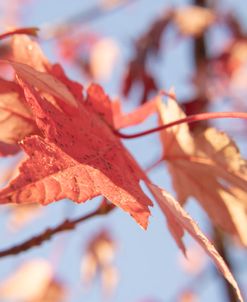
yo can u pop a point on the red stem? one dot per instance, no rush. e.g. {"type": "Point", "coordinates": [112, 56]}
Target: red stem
{"type": "Point", "coordinates": [189, 119]}
{"type": "Point", "coordinates": [32, 31]}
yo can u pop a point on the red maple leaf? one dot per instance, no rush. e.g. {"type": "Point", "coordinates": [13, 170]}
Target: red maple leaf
{"type": "Point", "coordinates": [78, 156]}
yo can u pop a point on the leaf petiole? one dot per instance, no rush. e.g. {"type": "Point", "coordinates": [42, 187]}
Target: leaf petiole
{"type": "Point", "coordinates": [189, 119]}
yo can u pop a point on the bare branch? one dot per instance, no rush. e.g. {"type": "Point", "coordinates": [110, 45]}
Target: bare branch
{"type": "Point", "coordinates": [66, 225]}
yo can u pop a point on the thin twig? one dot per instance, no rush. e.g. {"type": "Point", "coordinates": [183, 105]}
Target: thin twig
{"type": "Point", "coordinates": [31, 31]}
{"type": "Point", "coordinates": [189, 119]}
{"type": "Point", "coordinates": [154, 164]}
{"type": "Point", "coordinates": [66, 225]}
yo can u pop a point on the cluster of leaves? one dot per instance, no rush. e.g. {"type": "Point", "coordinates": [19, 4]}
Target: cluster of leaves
{"type": "Point", "coordinates": [74, 151]}
{"type": "Point", "coordinates": [219, 73]}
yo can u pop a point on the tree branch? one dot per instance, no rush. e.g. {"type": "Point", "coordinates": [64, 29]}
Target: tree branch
{"type": "Point", "coordinates": [67, 225]}
{"type": "Point", "coordinates": [222, 249]}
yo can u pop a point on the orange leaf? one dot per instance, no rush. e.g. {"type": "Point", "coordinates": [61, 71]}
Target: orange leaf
{"type": "Point", "coordinates": [188, 296]}
{"type": "Point", "coordinates": [133, 118]}
{"type": "Point", "coordinates": [44, 82]}
{"type": "Point", "coordinates": [21, 284]}
{"type": "Point", "coordinates": [193, 20]}
{"type": "Point", "coordinates": [112, 113]}
{"type": "Point", "coordinates": [15, 117]}
{"type": "Point", "coordinates": [98, 259]}
{"type": "Point", "coordinates": [16, 121]}
{"type": "Point", "coordinates": [208, 167]}
{"type": "Point", "coordinates": [28, 52]}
